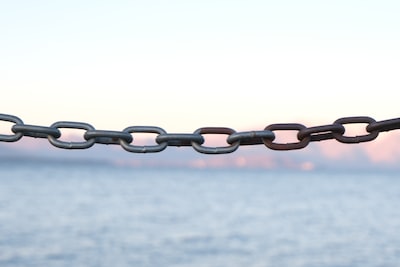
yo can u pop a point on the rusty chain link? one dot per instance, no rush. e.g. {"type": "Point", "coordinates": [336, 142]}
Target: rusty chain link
{"type": "Point", "coordinates": [126, 137]}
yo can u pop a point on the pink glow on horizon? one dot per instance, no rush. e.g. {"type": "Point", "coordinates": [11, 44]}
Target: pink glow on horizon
{"type": "Point", "coordinates": [335, 150]}
{"type": "Point", "coordinates": [383, 150]}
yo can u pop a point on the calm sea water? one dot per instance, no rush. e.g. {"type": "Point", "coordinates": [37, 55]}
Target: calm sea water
{"type": "Point", "coordinates": [99, 215]}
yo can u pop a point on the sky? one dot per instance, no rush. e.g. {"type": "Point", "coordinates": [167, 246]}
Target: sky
{"type": "Point", "coordinates": [181, 65]}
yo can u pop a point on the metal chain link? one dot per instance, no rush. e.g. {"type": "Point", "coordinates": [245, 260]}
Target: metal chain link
{"type": "Point", "coordinates": [126, 137]}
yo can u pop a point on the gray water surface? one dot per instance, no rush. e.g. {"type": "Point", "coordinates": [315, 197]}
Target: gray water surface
{"type": "Point", "coordinates": [99, 215]}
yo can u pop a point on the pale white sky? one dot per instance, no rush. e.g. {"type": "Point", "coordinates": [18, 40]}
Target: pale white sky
{"type": "Point", "coordinates": [182, 65]}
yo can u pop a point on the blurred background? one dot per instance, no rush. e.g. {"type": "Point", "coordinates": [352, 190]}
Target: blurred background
{"type": "Point", "coordinates": [182, 65]}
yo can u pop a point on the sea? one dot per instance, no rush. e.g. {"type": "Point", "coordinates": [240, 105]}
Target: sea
{"type": "Point", "coordinates": [92, 214]}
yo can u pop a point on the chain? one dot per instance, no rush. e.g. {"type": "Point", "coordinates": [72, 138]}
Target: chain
{"type": "Point", "coordinates": [126, 137]}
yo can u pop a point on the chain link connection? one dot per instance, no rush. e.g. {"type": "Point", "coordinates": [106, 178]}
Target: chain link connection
{"type": "Point", "coordinates": [126, 137]}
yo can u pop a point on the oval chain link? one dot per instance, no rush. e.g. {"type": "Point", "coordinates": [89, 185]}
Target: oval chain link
{"type": "Point", "coordinates": [251, 137]}
{"type": "Point", "coordinates": [384, 126]}
{"type": "Point", "coordinates": [10, 137]}
{"type": "Point", "coordinates": [286, 127]}
{"type": "Point", "coordinates": [215, 150]}
{"type": "Point", "coordinates": [143, 149]}
{"type": "Point", "coordinates": [320, 133]}
{"type": "Point", "coordinates": [71, 145]}
{"type": "Point", "coordinates": [36, 131]}
{"type": "Point", "coordinates": [108, 137]}
{"type": "Point", "coordinates": [178, 139]}
{"type": "Point", "coordinates": [359, 138]}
